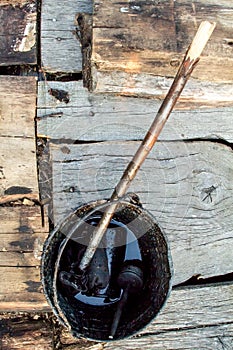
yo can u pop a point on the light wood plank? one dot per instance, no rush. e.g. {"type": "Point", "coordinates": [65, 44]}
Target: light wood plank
{"type": "Point", "coordinates": [21, 290]}
{"type": "Point", "coordinates": [17, 106]}
{"type": "Point", "coordinates": [16, 259]}
{"type": "Point", "coordinates": [88, 117]}
{"type": "Point", "coordinates": [18, 166]}
{"type": "Point", "coordinates": [195, 94]}
{"type": "Point", "coordinates": [60, 45]}
{"type": "Point", "coordinates": [193, 307]}
{"type": "Point", "coordinates": [193, 318]}
{"type": "Point", "coordinates": [218, 338]}
{"type": "Point", "coordinates": [21, 236]}
{"type": "Point", "coordinates": [24, 219]}
{"type": "Point", "coordinates": [18, 44]}
{"type": "Point", "coordinates": [17, 135]}
{"type": "Point", "coordinates": [21, 242]}
{"type": "Point", "coordinates": [173, 184]}
{"type": "Point", "coordinates": [132, 38]}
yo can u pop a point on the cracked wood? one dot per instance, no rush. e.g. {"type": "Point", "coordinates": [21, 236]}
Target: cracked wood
{"type": "Point", "coordinates": [91, 117]}
{"type": "Point", "coordinates": [21, 233]}
{"type": "Point", "coordinates": [131, 44]}
{"type": "Point", "coordinates": [21, 240]}
{"type": "Point", "coordinates": [18, 171]}
{"type": "Point", "coordinates": [18, 44]}
{"type": "Point", "coordinates": [171, 184]}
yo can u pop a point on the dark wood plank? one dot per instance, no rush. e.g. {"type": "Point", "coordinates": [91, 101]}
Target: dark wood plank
{"type": "Point", "coordinates": [175, 184]}
{"type": "Point", "coordinates": [18, 32]}
{"type": "Point", "coordinates": [25, 332]}
{"type": "Point", "coordinates": [132, 39]}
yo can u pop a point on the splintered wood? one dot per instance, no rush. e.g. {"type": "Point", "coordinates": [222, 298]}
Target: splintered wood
{"type": "Point", "coordinates": [132, 42]}
{"type": "Point", "coordinates": [21, 232]}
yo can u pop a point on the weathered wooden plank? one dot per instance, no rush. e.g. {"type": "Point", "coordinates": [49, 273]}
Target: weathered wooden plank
{"type": "Point", "coordinates": [17, 259]}
{"type": "Point", "coordinates": [17, 106]}
{"type": "Point", "coordinates": [207, 323]}
{"type": "Point", "coordinates": [217, 337]}
{"type": "Point", "coordinates": [132, 38]}
{"type": "Point", "coordinates": [18, 166]}
{"type": "Point", "coordinates": [21, 236]}
{"type": "Point", "coordinates": [17, 136]}
{"type": "Point", "coordinates": [18, 32]}
{"type": "Point", "coordinates": [25, 332]}
{"type": "Point", "coordinates": [88, 117]}
{"type": "Point", "coordinates": [21, 219]}
{"type": "Point", "coordinates": [21, 290]}
{"type": "Point", "coordinates": [21, 242]}
{"type": "Point", "coordinates": [196, 93]}
{"type": "Point", "coordinates": [60, 43]}
{"type": "Point", "coordinates": [191, 316]}
{"type": "Point", "coordinates": [193, 307]}
{"type": "Point", "coordinates": [186, 185]}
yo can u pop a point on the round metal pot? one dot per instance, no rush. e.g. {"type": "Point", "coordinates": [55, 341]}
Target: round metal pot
{"type": "Point", "coordinates": [91, 317]}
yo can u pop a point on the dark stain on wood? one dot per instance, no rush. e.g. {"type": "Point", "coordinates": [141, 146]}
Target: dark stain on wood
{"type": "Point", "coordinates": [84, 34]}
{"type": "Point", "coordinates": [24, 229]}
{"type": "Point", "coordinates": [17, 190]}
{"type": "Point", "coordinates": [33, 287]}
{"type": "Point", "coordinates": [2, 175]}
{"type": "Point", "coordinates": [25, 244]}
{"type": "Point", "coordinates": [130, 36]}
{"type": "Point", "coordinates": [14, 20]}
{"type": "Point", "coordinates": [60, 95]}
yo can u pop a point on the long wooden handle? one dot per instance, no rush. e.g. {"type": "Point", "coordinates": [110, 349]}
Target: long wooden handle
{"type": "Point", "coordinates": [189, 62]}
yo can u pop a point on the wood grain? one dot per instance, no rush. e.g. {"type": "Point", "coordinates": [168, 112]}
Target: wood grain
{"type": "Point", "coordinates": [21, 290]}
{"type": "Point", "coordinates": [93, 117]}
{"type": "Point", "coordinates": [208, 324]}
{"type": "Point", "coordinates": [217, 337]}
{"type": "Point", "coordinates": [193, 318]}
{"type": "Point", "coordinates": [18, 166]}
{"type": "Point", "coordinates": [132, 39]}
{"type": "Point", "coordinates": [25, 219]}
{"type": "Point", "coordinates": [17, 135]}
{"type": "Point", "coordinates": [17, 106]}
{"type": "Point", "coordinates": [21, 241]}
{"type": "Point", "coordinates": [21, 233]}
{"type": "Point", "coordinates": [25, 332]}
{"type": "Point", "coordinates": [18, 44]}
{"type": "Point", "coordinates": [60, 42]}
{"type": "Point", "coordinates": [175, 184]}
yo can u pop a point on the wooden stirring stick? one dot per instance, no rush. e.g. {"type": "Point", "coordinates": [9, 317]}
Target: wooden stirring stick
{"type": "Point", "coordinates": [190, 60]}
